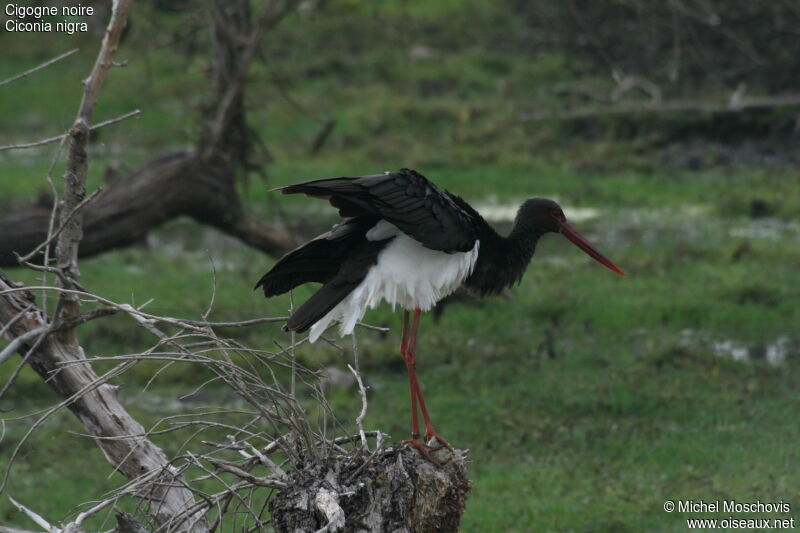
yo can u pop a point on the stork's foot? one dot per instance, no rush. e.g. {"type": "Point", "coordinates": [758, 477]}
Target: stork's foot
{"type": "Point", "coordinates": [431, 434]}
{"type": "Point", "coordinates": [424, 449]}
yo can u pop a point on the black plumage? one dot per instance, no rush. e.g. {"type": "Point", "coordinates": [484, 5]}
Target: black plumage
{"type": "Point", "coordinates": [318, 260]}
{"type": "Point", "coordinates": [437, 219]}
{"type": "Point", "coordinates": [351, 273]}
{"type": "Point", "coordinates": [502, 261]}
{"type": "Point", "coordinates": [341, 258]}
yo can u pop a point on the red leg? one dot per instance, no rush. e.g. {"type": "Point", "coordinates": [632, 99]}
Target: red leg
{"type": "Point", "coordinates": [406, 349]}
{"type": "Point", "coordinates": [404, 341]}
{"type": "Point", "coordinates": [410, 356]}
{"type": "Point", "coordinates": [430, 432]}
{"type": "Point", "coordinates": [404, 353]}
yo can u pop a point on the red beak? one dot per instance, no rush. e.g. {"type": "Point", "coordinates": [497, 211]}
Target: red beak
{"type": "Point", "coordinates": [581, 242]}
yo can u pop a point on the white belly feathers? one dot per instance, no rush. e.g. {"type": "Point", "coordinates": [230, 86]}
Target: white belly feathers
{"type": "Point", "coordinates": [407, 274]}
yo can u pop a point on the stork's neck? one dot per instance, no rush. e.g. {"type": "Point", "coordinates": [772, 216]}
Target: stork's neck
{"type": "Point", "coordinates": [523, 239]}
{"type": "Point", "coordinates": [502, 260]}
{"type": "Point", "coordinates": [520, 246]}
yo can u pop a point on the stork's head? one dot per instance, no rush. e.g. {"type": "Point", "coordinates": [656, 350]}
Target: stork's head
{"type": "Point", "coordinates": [543, 215]}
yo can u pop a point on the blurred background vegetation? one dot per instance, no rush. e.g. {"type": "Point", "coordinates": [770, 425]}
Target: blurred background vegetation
{"type": "Point", "coordinates": [668, 130]}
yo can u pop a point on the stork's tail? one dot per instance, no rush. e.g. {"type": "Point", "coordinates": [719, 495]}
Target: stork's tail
{"type": "Point", "coordinates": [339, 259]}
{"type": "Point", "coordinates": [320, 304]}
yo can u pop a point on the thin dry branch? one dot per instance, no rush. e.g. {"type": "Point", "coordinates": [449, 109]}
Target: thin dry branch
{"type": "Point", "coordinates": [6, 529]}
{"type": "Point", "coordinates": [55, 234]}
{"type": "Point", "coordinates": [363, 413]}
{"type": "Point", "coordinates": [262, 481]}
{"type": "Point", "coordinates": [230, 98]}
{"type": "Point", "coordinates": [63, 136]}
{"type": "Point", "coordinates": [78, 163]}
{"type": "Point", "coordinates": [37, 68]}
{"type": "Point", "coordinates": [38, 519]}
{"type": "Point", "coordinates": [20, 341]}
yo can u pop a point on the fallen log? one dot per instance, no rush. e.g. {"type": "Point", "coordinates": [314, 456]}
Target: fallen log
{"type": "Point", "coordinates": [166, 187]}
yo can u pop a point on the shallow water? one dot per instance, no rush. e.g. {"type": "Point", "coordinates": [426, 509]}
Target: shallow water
{"type": "Point", "coordinates": [775, 352]}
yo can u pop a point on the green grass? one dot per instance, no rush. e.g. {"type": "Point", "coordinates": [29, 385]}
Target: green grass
{"type": "Point", "coordinates": [635, 407]}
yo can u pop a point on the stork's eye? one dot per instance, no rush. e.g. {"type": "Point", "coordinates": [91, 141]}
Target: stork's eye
{"type": "Point", "coordinates": [558, 215]}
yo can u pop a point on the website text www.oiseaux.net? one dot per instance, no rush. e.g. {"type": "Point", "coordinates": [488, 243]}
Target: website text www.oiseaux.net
{"type": "Point", "coordinates": [733, 506]}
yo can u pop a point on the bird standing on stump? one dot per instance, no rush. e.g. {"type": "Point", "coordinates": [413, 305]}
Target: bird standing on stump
{"type": "Point", "coordinates": [406, 241]}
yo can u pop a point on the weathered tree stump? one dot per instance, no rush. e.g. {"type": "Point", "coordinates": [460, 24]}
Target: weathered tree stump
{"type": "Point", "coordinates": [394, 491]}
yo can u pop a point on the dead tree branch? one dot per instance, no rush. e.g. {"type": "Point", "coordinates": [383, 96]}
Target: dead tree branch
{"type": "Point", "coordinates": [39, 67]}
{"type": "Point", "coordinates": [165, 188]}
{"type": "Point", "coordinates": [199, 184]}
{"type": "Point", "coordinates": [78, 163]}
{"type": "Point", "coordinates": [236, 38]}
{"type": "Point", "coordinates": [94, 403]}
{"type": "Point", "coordinates": [57, 138]}
{"type": "Point", "coordinates": [36, 518]}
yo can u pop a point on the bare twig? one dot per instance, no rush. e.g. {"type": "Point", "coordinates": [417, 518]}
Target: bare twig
{"type": "Point", "coordinates": [115, 120]}
{"type": "Point", "coordinates": [54, 234]}
{"type": "Point", "coordinates": [196, 325]}
{"type": "Point", "coordinates": [363, 413]}
{"type": "Point", "coordinates": [371, 327]}
{"type": "Point", "coordinates": [6, 529]}
{"type": "Point", "coordinates": [292, 352]}
{"type": "Point", "coordinates": [41, 522]}
{"type": "Point", "coordinates": [53, 214]}
{"type": "Point", "coordinates": [7, 327]}
{"type": "Point", "coordinates": [322, 136]}
{"type": "Point", "coordinates": [247, 476]}
{"type": "Point", "coordinates": [77, 160]}
{"type": "Point", "coordinates": [83, 318]}
{"type": "Point", "coordinates": [21, 364]}
{"type": "Point", "coordinates": [94, 510]}
{"type": "Point", "coordinates": [63, 136]}
{"type": "Point", "coordinates": [236, 324]}
{"type": "Point", "coordinates": [43, 142]}
{"type": "Point", "coordinates": [353, 438]}
{"type": "Point", "coordinates": [20, 340]}
{"type": "Point", "coordinates": [40, 67]}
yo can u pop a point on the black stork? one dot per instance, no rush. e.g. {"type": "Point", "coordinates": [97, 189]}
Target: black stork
{"type": "Point", "coordinates": [408, 242]}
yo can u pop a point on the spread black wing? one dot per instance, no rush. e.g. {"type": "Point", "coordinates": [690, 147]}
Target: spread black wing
{"type": "Point", "coordinates": [340, 259]}
{"type": "Point", "coordinates": [318, 260]}
{"type": "Point", "coordinates": [405, 198]}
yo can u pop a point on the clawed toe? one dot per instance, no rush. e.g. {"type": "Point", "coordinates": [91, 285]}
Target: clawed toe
{"type": "Point", "coordinates": [424, 449]}
{"type": "Point", "coordinates": [431, 434]}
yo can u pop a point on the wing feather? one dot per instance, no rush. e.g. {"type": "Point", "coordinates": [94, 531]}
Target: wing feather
{"type": "Point", "coordinates": [405, 198]}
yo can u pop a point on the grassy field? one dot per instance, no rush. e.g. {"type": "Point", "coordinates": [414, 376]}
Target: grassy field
{"type": "Point", "coordinates": [642, 394]}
